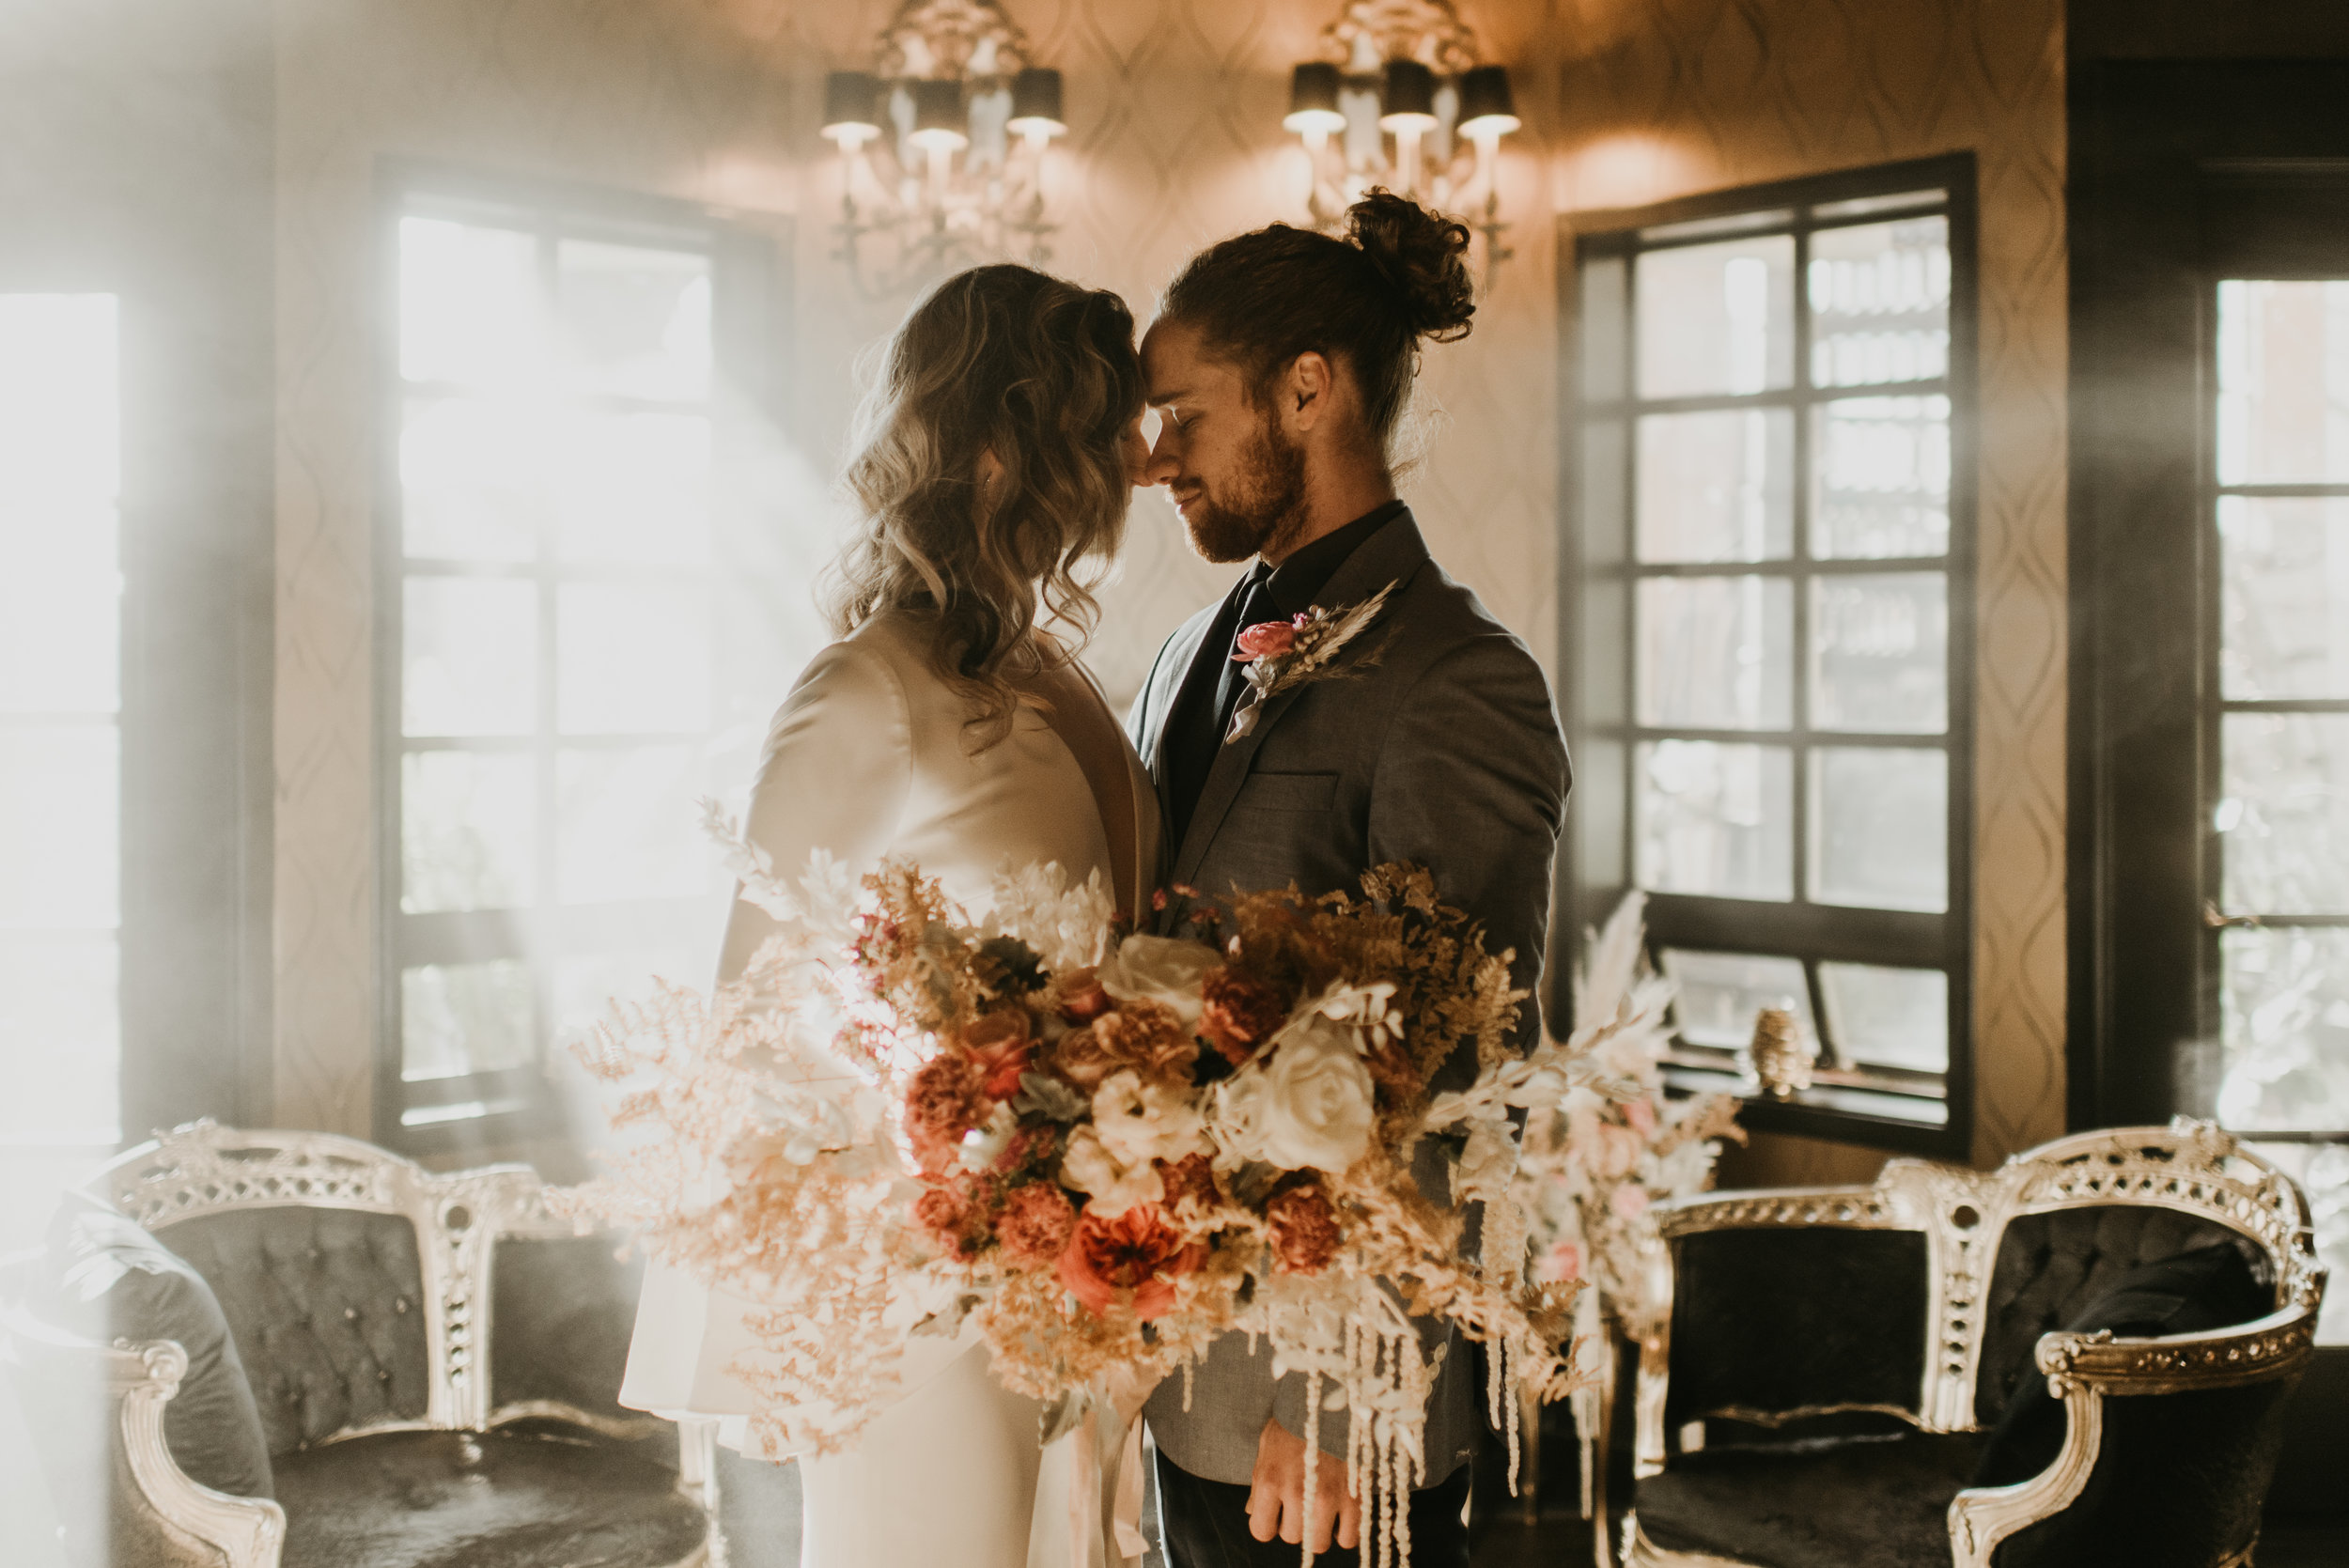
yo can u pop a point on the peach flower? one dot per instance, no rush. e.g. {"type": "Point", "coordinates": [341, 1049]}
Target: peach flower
{"type": "Point", "coordinates": [1138, 1251]}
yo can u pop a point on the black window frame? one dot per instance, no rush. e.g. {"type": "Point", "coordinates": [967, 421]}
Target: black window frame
{"type": "Point", "coordinates": [1797, 929]}
{"type": "Point", "coordinates": [501, 1107]}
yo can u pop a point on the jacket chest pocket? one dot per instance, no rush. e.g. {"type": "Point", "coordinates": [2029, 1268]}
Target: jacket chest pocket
{"type": "Point", "coordinates": [1287, 792]}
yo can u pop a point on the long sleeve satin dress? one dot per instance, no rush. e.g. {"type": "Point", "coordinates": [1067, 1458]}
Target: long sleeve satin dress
{"type": "Point", "coordinates": [869, 757]}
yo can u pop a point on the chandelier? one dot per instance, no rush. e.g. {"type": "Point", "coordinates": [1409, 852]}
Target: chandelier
{"type": "Point", "coordinates": [943, 146]}
{"type": "Point", "coordinates": [1400, 97]}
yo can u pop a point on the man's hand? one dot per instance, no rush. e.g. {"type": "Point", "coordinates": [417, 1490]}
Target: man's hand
{"type": "Point", "coordinates": [1276, 1493]}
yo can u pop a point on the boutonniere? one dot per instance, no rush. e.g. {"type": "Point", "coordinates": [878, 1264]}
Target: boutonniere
{"type": "Point", "coordinates": [1282, 655]}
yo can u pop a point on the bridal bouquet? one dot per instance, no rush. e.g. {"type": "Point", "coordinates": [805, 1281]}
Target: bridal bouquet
{"type": "Point", "coordinates": [1593, 1162]}
{"type": "Point", "coordinates": [1100, 1150]}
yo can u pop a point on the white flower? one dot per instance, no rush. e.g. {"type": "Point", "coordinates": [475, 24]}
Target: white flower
{"type": "Point", "coordinates": [1138, 1122]}
{"type": "Point", "coordinates": [1486, 1164]}
{"type": "Point", "coordinates": [1163, 970]}
{"type": "Point", "coordinates": [1064, 926]}
{"type": "Point", "coordinates": [983, 1145]}
{"type": "Point", "coordinates": [1308, 1106]}
{"type": "Point", "coordinates": [1113, 1185]}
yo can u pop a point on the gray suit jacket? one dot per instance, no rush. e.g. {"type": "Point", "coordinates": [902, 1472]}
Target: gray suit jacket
{"type": "Point", "coordinates": [1446, 752]}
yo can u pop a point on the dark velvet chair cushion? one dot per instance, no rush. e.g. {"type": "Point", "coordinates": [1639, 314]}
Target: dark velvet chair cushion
{"type": "Point", "coordinates": [563, 1308]}
{"type": "Point", "coordinates": [1784, 1319]}
{"type": "Point", "coordinates": [505, 1498]}
{"type": "Point", "coordinates": [327, 1305]}
{"type": "Point", "coordinates": [109, 1280]}
{"type": "Point", "coordinates": [1819, 1502]}
{"type": "Point", "coordinates": [2210, 1287]}
{"type": "Point", "coordinates": [2051, 1267]}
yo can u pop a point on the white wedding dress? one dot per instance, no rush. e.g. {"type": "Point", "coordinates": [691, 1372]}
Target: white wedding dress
{"type": "Point", "coordinates": [869, 756]}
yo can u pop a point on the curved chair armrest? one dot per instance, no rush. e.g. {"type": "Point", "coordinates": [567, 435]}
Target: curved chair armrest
{"type": "Point", "coordinates": [162, 1517]}
{"type": "Point", "coordinates": [2083, 1371]}
{"type": "Point", "coordinates": [1860, 1207]}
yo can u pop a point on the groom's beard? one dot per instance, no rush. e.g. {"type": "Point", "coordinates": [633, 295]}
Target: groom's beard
{"type": "Point", "coordinates": [1263, 508]}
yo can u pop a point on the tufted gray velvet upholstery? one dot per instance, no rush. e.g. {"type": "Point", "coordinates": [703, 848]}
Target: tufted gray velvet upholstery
{"type": "Point", "coordinates": [327, 1309]}
{"type": "Point", "coordinates": [2052, 1266]}
{"type": "Point", "coordinates": [562, 1310]}
{"type": "Point", "coordinates": [491, 1499]}
{"type": "Point", "coordinates": [1825, 1502]}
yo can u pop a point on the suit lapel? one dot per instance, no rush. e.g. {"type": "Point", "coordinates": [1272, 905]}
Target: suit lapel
{"type": "Point", "coordinates": [1393, 554]}
{"type": "Point", "coordinates": [1177, 669]}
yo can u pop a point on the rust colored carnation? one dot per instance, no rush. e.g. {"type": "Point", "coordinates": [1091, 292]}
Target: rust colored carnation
{"type": "Point", "coordinates": [1304, 1229]}
{"type": "Point", "coordinates": [1028, 1146]}
{"type": "Point", "coordinates": [953, 1215]}
{"type": "Point", "coordinates": [1036, 1223]}
{"type": "Point", "coordinates": [1138, 1251]}
{"type": "Point", "coordinates": [946, 1099]}
{"type": "Point", "coordinates": [1189, 1185]}
{"type": "Point", "coordinates": [1080, 996]}
{"type": "Point", "coordinates": [1001, 1046]}
{"type": "Point", "coordinates": [1150, 1038]}
{"type": "Point", "coordinates": [1240, 1013]}
{"type": "Point", "coordinates": [1078, 1057]}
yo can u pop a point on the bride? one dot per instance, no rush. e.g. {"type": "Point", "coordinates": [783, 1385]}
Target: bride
{"type": "Point", "coordinates": [949, 727]}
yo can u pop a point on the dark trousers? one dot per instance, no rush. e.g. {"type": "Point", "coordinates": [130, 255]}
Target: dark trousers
{"type": "Point", "coordinates": [1203, 1524]}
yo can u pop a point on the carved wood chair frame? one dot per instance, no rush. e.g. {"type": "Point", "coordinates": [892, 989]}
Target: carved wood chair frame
{"type": "Point", "coordinates": [2189, 1166]}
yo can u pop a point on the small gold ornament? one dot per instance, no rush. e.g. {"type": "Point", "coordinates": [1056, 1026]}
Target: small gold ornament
{"type": "Point", "coordinates": [1780, 1057]}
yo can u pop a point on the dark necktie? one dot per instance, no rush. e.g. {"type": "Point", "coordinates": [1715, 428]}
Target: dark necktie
{"type": "Point", "coordinates": [1256, 606]}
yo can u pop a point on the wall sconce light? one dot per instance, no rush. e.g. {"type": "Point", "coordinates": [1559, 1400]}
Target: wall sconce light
{"type": "Point", "coordinates": [943, 146]}
{"type": "Point", "coordinates": [1401, 98]}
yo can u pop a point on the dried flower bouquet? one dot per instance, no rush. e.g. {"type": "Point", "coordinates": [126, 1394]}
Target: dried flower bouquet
{"type": "Point", "coordinates": [1100, 1150]}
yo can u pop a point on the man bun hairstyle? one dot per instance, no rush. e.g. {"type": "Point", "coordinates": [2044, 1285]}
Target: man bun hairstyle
{"type": "Point", "coordinates": [1400, 274]}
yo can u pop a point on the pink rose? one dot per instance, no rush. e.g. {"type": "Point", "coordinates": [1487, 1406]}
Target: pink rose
{"type": "Point", "coordinates": [1641, 1115]}
{"type": "Point", "coordinates": [1562, 1262]}
{"type": "Point", "coordinates": [1630, 1201]}
{"type": "Point", "coordinates": [1265, 640]}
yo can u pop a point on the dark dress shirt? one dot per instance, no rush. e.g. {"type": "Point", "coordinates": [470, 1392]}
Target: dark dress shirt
{"type": "Point", "coordinates": [1203, 712]}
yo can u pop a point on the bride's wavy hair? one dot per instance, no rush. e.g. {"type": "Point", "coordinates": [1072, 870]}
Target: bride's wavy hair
{"type": "Point", "coordinates": [1042, 374]}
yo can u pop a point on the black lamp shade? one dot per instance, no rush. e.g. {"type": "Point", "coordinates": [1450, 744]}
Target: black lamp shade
{"type": "Point", "coordinates": [851, 99]}
{"type": "Point", "coordinates": [1035, 98]}
{"type": "Point", "coordinates": [1314, 90]}
{"type": "Point", "coordinates": [938, 107]}
{"type": "Point", "coordinates": [1484, 96]}
{"type": "Point", "coordinates": [1407, 88]}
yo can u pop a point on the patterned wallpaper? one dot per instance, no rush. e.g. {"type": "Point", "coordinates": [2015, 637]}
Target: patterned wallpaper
{"type": "Point", "coordinates": [1174, 108]}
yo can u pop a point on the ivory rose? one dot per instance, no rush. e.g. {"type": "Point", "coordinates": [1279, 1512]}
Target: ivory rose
{"type": "Point", "coordinates": [1136, 1250]}
{"type": "Point", "coordinates": [1164, 969]}
{"type": "Point", "coordinates": [1138, 1122]}
{"type": "Point", "coordinates": [1115, 1184]}
{"type": "Point", "coordinates": [1308, 1106]}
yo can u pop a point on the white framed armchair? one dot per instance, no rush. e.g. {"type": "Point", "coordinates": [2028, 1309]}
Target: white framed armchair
{"type": "Point", "coordinates": [1955, 1367]}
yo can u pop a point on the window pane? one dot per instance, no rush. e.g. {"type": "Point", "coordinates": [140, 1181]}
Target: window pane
{"type": "Point", "coordinates": [1881, 477]}
{"type": "Point", "coordinates": [61, 428]}
{"type": "Point", "coordinates": [60, 835]}
{"type": "Point", "coordinates": [1881, 302]}
{"type": "Point", "coordinates": [60, 613]}
{"type": "Point", "coordinates": [1718, 994]}
{"type": "Point", "coordinates": [2284, 381]}
{"type": "Point", "coordinates": [1879, 828]}
{"type": "Point", "coordinates": [634, 488]}
{"type": "Point", "coordinates": [2323, 1172]}
{"type": "Point", "coordinates": [472, 656]}
{"type": "Point", "coordinates": [1879, 653]}
{"type": "Point", "coordinates": [627, 827]}
{"type": "Point", "coordinates": [634, 660]}
{"type": "Point", "coordinates": [1717, 487]}
{"type": "Point", "coordinates": [458, 1018]}
{"type": "Point", "coordinates": [468, 831]}
{"type": "Point", "coordinates": [1602, 329]}
{"type": "Point", "coordinates": [1711, 818]}
{"type": "Point", "coordinates": [2284, 1011]}
{"type": "Point", "coordinates": [61, 1036]}
{"type": "Point", "coordinates": [469, 479]}
{"type": "Point", "coordinates": [1717, 652]}
{"type": "Point", "coordinates": [469, 303]}
{"type": "Point", "coordinates": [2285, 812]}
{"type": "Point", "coordinates": [636, 321]}
{"type": "Point", "coordinates": [1888, 1017]}
{"type": "Point", "coordinates": [586, 985]}
{"type": "Point", "coordinates": [1716, 317]}
{"type": "Point", "coordinates": [2286, 588]}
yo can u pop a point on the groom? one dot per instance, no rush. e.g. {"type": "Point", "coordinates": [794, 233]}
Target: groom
{"type": "Point", "coordinates": [1279, 365]}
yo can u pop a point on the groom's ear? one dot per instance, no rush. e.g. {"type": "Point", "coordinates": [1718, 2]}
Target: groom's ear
{"type": "Point", "coordinates": [1305, 392]}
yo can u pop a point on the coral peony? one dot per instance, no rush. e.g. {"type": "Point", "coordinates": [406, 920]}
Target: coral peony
{"type": "Point", "coordinates": [1304, 1229]}
{"type": "Point", "coordinates": [946, 1099]}
{"type": "Point", "coordinates": [1036, 1223]}
{"type": "Point", "coordinates": [1239, 1013]}
{"type": "Point", "coordinates": [1137, 1251]}
{"type": "Point", "coordinates": [1001, 1046]}
{"type": "Point", "coordinates": [1265, 640]}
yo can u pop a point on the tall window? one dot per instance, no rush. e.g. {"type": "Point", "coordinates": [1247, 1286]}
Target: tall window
{"type": "Point", "coordinates": [2278, 499]}
{"type": "Point", "coordinates": [60, 735]}
{"type": "Point", "coordinates": [1769, 617]}
{"type": "Point", "coordinates": [573, 653]}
